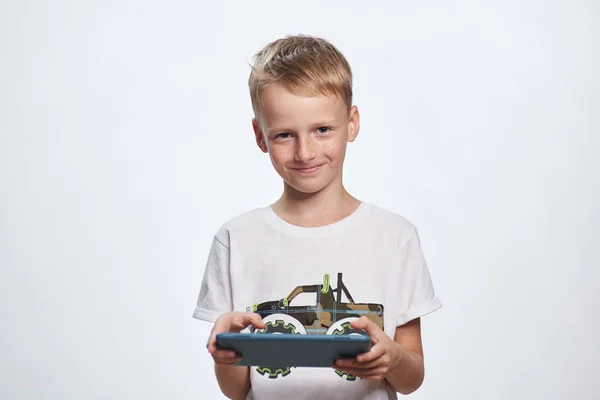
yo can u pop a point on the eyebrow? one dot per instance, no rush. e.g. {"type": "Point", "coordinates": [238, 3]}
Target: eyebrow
{"type": "Point", "coordinates": [326, 123]}
{"type": "Point", "coordinates": [313, 126]}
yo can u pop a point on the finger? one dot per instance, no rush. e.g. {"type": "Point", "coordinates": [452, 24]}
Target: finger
{"type": "Point", "coordinates": [360, 323]}
{"type": "Point", "coordinates": [212, 344]}
{"type": "Point", "coordinates": [369, 374]}
{"type": "Point", "coordinates": [224, 353]}
{"type": "Point", "coordinates": [376, 352]}
{"type": "Point", "coordinates": [257, 321]}
{"type": "Point", "coordinates": [227, 361]}
{"type": "Point", "coordinates": [357, 371]}
{"type": "Point", "coordinates": [378, 362]}
{"type": "Point", "coordinates": [226, 356]}
{"type": "Point", "coordinates": [376, 374]}
{"type": "Point", "coordinates": [369, 326]}
{"type": "Point", "coordinates": [245, 319]}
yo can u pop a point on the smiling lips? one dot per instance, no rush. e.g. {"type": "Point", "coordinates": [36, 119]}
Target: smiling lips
{"type": "Point", "coordinates": [308, 170]}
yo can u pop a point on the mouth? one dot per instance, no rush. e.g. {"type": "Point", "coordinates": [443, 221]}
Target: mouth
{"type": "Point", "coordinates": [308, 170]}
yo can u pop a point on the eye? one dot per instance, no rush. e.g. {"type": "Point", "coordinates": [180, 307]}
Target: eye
{"type": "Point", "coordinates": [283, 135]}
{"type": "Point", "coordinates": [323, 129]}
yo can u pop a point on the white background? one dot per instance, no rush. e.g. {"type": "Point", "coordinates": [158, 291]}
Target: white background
{"type": "Point", "coordinates": [125, 142]}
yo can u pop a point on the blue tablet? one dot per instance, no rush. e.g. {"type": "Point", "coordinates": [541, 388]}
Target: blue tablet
{"type": "Point", "coordinates": [292, 350]}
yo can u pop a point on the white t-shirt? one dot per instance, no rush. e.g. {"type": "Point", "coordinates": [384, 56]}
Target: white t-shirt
{"type": "Point", "coordinates": [259, 262]}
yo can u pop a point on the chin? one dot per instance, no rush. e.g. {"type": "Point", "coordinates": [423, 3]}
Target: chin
{"type": "Point", "coordinates": [306, 188]}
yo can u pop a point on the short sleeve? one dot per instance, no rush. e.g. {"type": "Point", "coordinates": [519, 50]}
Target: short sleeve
{"type": "Point", "coordinates": [215, 291]}
{"type": "Point", "coordinates": [418, 297]}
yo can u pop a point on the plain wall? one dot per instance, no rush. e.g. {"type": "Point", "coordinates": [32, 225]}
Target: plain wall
{"type": "Point", "coordinates": [125, 143]}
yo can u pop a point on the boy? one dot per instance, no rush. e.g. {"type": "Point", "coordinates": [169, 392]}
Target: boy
{"type": "Point", "coordinates": [344, 265]}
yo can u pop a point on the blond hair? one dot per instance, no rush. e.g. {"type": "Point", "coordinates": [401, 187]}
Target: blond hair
{"type": "Point", "coordinates": [304, 65]}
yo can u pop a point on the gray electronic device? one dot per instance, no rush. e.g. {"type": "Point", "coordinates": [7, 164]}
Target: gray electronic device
{"type": "Point", "coordinates": [292, 350]}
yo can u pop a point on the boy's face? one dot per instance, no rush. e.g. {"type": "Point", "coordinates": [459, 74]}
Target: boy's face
{"type": "Point", "coordinates": [305, 137]}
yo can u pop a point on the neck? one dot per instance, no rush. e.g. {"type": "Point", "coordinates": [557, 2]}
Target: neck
{"type": "Point", "coordinates": [325, 207]}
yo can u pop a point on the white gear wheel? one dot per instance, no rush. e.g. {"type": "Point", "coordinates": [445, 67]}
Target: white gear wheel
{"type": "Point", "coordinates": [338, 325]}
{"type": "Point", "coordinates": [287, 319]}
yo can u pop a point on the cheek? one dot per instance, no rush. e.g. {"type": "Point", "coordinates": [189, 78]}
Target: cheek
{"type": "Point", "coordinates": [279, 156]}
{"type": "Point", "coordinates": [336, 151]}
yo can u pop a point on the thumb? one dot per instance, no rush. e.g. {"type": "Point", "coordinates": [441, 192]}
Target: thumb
{"type": "Point", "coordinates": [369, 326]}
{"type": "Point", "coordinates": [256, 321]}
{"type": "Point", "coordinates": [248, 318]}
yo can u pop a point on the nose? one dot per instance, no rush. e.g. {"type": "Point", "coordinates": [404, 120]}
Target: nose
{"type": "Point", "coordinates": [305, 149]}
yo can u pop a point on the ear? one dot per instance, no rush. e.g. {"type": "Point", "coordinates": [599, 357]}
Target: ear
{"type": "Point", "coordinates": [260, 137]}
{"type": "Point", "coordinates": [353, 124]}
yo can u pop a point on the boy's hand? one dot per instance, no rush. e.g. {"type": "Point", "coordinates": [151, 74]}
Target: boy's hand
{"type": "Point", "coordinates": [230, 322]}
{"type": "Point", "coordinates": [377, 362]}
